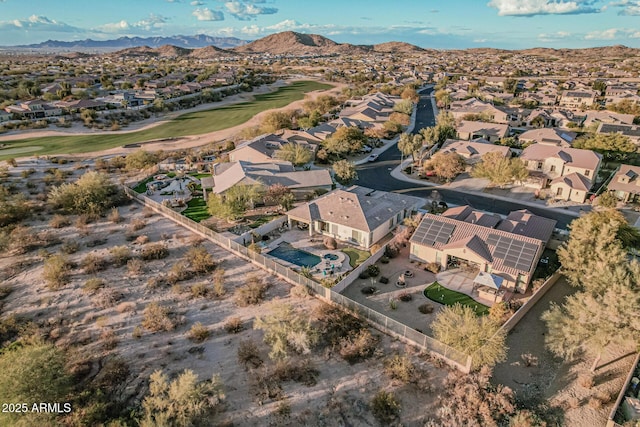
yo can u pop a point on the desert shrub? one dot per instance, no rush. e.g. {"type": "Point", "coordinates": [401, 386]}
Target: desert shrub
{"type": "Point", "coordinates": [300, 371]}
{"type": "Point", "coordinates": [400, 368]}
{"type": "Point", "coordinates": [93, 193]}
{"type": "Point", "coordinates": [433, 267]}
{"type": "Point", "coordinates": [59, 221]}
{"type": "Point", "coordinates": [137, 332]}
{"type": "Point", "coordinates": [249, 354]}
{"type": "Point", "coordinates": [109, 339]}
{"type": "Point", "coordinates": [252, 293]}
{"type": "Point", "coordinates": [364, 274]}
{"type": "Point", "coordinates": [182, 402]}
{"type": "Point", "coordinates": [93, 285]}
{"type": "Point", "coordinates": [300, 292]}
{"type": "Point", "coordinates": [56, 271]}
{"type": "Point", "coordinates": [200, 290]}
{"type": "Point", "coordinates": [405, 297]}
{"type": "Point", "coordinates": [526, 418]}
{"type": "Point", "coordinates": [586, 380]}
{"type": "Point", "coordinates": [5, 290]}
{"type": "Point", "coordinates": [157, 318]}
{"type": "Point", "coordinates": [373, 270]}
{"type": "Point", "coordinates": [70, 247]}
{"type": "Point", "coordinates": [179, 272]}
{"type": "Point", "coordinates": [358, 346]}
{"type": "Point", "coordinates": [114, 216]}
{"type": "Point", "coordinates": [368, 290]}
{"type": "Point", "coordinates": [529, 359]}
{"type": "Point", "coordinates": [135, 266]}
{"type": "Point", "coordinates": [137, 224]}
{"type": "Point", "coordinates": [384, 280]}
{"type": "Point", "coordinates": [200, 260]}
{"type": "Point", "coordinates": [426, 308]}
{"type": "Point", "coordinates": [154, 251]}
{"type": "Point", "coordinates": [330, 243]}
{"type": "Point", "coordinates": [199, 333]}
{"type": "Point", "coordinates": [286, 331]}
{"type": "Point", "coordinates": [147, 212]}
{"type": "Point", "coordinates": [254, 247]}
{"type": "Point", "coordinates": [141, 240]}
{"type": "Point", "coordinates": [385, 407]}
{"type": "Point", "coordinates": [92, 263]}
{"type": "Point", "coordinates": [384, 260]}
{"type": "Point", "coordinates": [107, 298]}
{"type": "Point", "coordinates": [139, 160]}
{"type": "Point", "coordinates": [390, 252]}
{"type": "Point", "coordinates": [120, 255]}
{"type": "Point", "coordinates": [96, 241]}
{"type": "Point", "coordinates": [234, 325]}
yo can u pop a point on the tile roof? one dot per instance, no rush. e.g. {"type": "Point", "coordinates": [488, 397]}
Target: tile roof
{"type": "Point", "coordinates": [575, 181]}
{"type": "Point", "coordinates": [525, 223]}
{"type": "Point", "coordinates": [585, 159]}
{"type": "Point", "coordinates": [630, 174]}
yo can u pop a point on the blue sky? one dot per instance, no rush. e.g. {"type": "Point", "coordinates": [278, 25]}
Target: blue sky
{"type": "Point", "coordinates": [509, 24]}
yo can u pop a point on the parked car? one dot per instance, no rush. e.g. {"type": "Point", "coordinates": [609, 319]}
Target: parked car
{"type": "Point", "coordinates": [367, 149]}
{"type": "Point", "coordinates": [373, 157]}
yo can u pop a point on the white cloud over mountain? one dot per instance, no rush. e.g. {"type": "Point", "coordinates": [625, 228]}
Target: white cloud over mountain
{"type": "Point", "coordinates": [543, 7]}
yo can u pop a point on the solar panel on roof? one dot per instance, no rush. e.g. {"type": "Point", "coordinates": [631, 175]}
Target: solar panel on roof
{"type": "Point", "coordinates": [432, 231]}
{"type": "Point", "coordinates": [514, 253]}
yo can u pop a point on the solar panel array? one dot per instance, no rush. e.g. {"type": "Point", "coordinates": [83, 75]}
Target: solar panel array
{"type": "Point", "coordinates": [432, 231]}
{"type": "Point", "coordinates": [514, 253]}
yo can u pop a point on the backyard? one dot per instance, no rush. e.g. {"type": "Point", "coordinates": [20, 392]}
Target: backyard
{"type": "Point", "coordinates": [356, 256]}
{"type": "Point", "coordinates": [196, 209]}
{"type": "Point", "coordinates": [438, 293]}
{"type": "Point", "coordinates": [195, 123]}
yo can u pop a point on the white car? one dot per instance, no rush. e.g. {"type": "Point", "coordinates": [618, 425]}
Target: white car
{"type": "Point", "coordinates": [367, 149]}
{"type": "Point", "coordinates": [373, 157]}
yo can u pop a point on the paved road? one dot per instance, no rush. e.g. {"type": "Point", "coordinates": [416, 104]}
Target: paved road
{"type": "Point", "coordinates": [376, 175]}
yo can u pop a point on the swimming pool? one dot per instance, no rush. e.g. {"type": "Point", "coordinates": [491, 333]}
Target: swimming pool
{"type": "Point", "coordinates": [295, 256]}
{"type": "Point", "coordinates": [331, 257]}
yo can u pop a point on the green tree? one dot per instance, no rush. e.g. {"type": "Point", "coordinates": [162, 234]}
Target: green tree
{"type": "Point", "coordinates": [538, 122]}
{"type": "Point", "coordinates": [93, 193]}
{"type": "Point", "coordinates": [295, 153]}
{"type": "Point", "coordinates": [410, 145]}
{"type": "Point", "coordinates": [140, 159]}
{"type": "Point", "coordinates": [607, 200]}
{"type": "Point", "coordinates": [510, 85]}
{"type": "Point", "coordinates": [32, 372]}
{"type": "Point", "coordinates": [443, 99]}
{"type": "Point", "coordinates": [312, 120]}
{"type": "Point", "coordinates": [182, 402]}
{"type": "Point", "coordinates": [405, 107]}
{"type": "Point", "coordinates": [276, 120]}
{"type": "Point", "coordinates": [345, 140]}
{"type": "Point", "coordinates": [499, 169]}
{"type": "Point", "coordinates": [279, 194]}
{"type": "Point", "coordinates": [344, 171]}
{"type": "Point", "coordinates": [446, 165]}
{"type": "Point", "coordinates": [480, 336]}
{"type": "Point", "coordinates": [287, 331]}
{"type": "Point", "coordinates": [409, 93]}
{"type": "Point", "coordinates": [613, 146]}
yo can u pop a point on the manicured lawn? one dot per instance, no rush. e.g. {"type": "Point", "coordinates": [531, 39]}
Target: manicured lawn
{"type": "Point", "coordinates": [196, 210]}
{"type": "Point", "coordinates": [356, 256]}
{"type": "Point", "coordinates": [438, 293]}
{"type": "Point", "coordinates": [262, 220]}
{"type": "Point", "coordinates": [142, 186]}
{"type": "Point", "coordinates": [200, 175]}
{"type": "Point", "coordinates": [187, 124]}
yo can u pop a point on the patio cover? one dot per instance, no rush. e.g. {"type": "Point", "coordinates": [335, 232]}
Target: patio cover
{"type": "Point", "coordinates": [489, 280]}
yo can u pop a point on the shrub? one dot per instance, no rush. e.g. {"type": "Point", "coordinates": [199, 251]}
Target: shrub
{"type": "Point", "coordinates": [390, 252]}
{"type": "Point", "coordinates": [93, 285]}
{"type": "Point", "coordinates": [330, 243]}
{"type": "Point", "coordinates": [385, 407]}
{"type": "Point", "coordinates": [358, 346]}
{"type": "Point", "coordinates": [141, 240]}
{"type": "Point", "coordinates": [137, 224]}
{"type": "Point", "coordinates": [252, 293]}
{"type": "Point", "coordinates": [363, 275]}
{"type": "Point", "coordinates": [179, 272]}
{"type": "Point", "coordinates": [399, 368]}
{"type": "Point", "coordinates": [384, 260]}
{"type": "Point", "coordinates": [59, 221]}
{"type": "Point", "coordinates": [114, 216]}
{"type": "Point", "coordinates": [107, 298]}
{"type": "Point", "coordinates": [93, 263]}
{"type": "Point", "coordinates": [56, 270]}
{"type": "Point", "coordinates": [199, 333]}
{"type": "Point", "coordinates": [69, 247]}
{"type": "Point", "coordinates": [234, 325]}
{"type": "Point", "coordinates": [120, 255]}
{"type": "Point", "coordinates": [92, 194]}
{"type": "Point", "coordinates": [154, 251]}
{"type": "Point", "coordinates": [147, 212]}
{"type": "Point", "coordinates": [587, 380]}
{"type": "Point", "coordinates": [368, 290]}
{"type": "Point", "coordinates": [433, 267]}
{"type": "Point", "coordinates": [529, 359]}
{"type": "Point", "coordinates": [405, 297]}
{"type": "Point", "coordinates": [248, 354]}
{"type": "Point", "coordinates": [426, 308]}
{"type": "Point", "coordinates": [218, 283]}
{"type": "Point", "coordinates": [384, 280]}
{"type": "Point", "coordinates": [373, 270]}
{"type": "Point", "coordinates": [200, 260]}
{"type": "Point", "coordinates": [137, 332]}
{"type": "Point", "coordinates": [200, 290]}
{"type": "Point", "coordinates": [157, 318]}
{"type": "Point", "coordinates": [135, 267]}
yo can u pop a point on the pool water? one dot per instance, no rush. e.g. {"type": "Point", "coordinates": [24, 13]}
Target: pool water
{"type": "Point", "coordinates": [331, 257]}
{"type": "Point", "coordinates": [295, 256]}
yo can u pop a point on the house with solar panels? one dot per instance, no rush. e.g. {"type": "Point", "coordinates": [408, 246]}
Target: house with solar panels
{"type": "Point", "coordinates": [508, 249]}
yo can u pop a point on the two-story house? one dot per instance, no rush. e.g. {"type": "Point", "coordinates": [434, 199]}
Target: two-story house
{"type": "Point", "coordinates": [625, 184]}
{"type": "Point", "coordinates": [569, 172]}
{"type": "Point", "coordinates": [578, 99]}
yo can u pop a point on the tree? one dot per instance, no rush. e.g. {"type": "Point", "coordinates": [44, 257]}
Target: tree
{"type": "Point", "coordinates": [286, 331]}
{"type": "Point", "coordinates": [280, 195]}
{"type": "Point", "coordinates": [400, 118]}
{"type": "Point", "coordinates": [405, 107]}
{"type": "Point", "coordinates": [410, 145]}
{"type": "Point", "coordinates": [613, 146]}
{"type": "Point", "coordinates": [596, 243]}
{"type": "Point", "coordinates": [93, 193]}
{"type": "Point", "coordinates": [510, 85]}
{"type": "Point", "coordinates": [480, 336]}
{"type": "Point", "coordinates": [409, 93]}
{"type": "Point", "coordinates": [32, 371]}
{"type": "Point", "coordinates": [345, 140]}
{"type": "Point", "coordinates": [235, 201]}
{"type": "Point", "coordinates": [295, 153]}
{"type": "Point", "coordinates": [344, 171]}
{"type": "Point", "coordinates": [443, 99]}
{"type": "Point", "coordinates": [276, 120]}
{"type": "Point", "coordinates": [140, 159]}
{"type": "Point", "coordinates": [538, 122]}
{"type": "Point", "coordinates": [591, 321]}
{"type": "Point", "coordinates": [446, 165]}
{"type": "Point", "coordinates": [499, 169]}
{"type": "Point", "coordinates": [307, 122]}
{"type": "Point", "coordinates": [182, 402]}
{"type": "Point", "coordinates": [606, 200]}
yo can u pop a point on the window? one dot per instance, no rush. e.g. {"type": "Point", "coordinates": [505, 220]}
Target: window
{"type": "Point", "coordinates": [586, 172]}
{"type": "Point", "coordinates": [559, 192]}
{"type": "Point", "coordinates": [553, 168]}
{"type": "Point", "coordinates": [539, 165]}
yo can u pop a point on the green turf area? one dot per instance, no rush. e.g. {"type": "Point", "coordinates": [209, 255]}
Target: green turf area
{"type": "Point", "coordinates": [438, 293]}
{"type": "Point", "coordinates": [262, 220]}
{"type": "Point", "coordinates": [187, 124]}
{"type": "Point", "coordinates": [142, 186]}
{"type": "Point", "coordinates": [200, 175]}
{"type": "Point", "coordinates": [356, 256]}
{"type": "Point", "coordinates": [196, 210]}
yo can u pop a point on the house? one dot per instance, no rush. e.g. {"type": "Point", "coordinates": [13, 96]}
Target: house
{"type": "Point", "coordinates": [630, 131]}
{"type": "Point", "coordinates": [490, 131]}
{"type": "Point", "coordinates": [625, 184]}
{"type": "Point", "coordinates": [548, 136]}
{"type": "Point", "coordinates": [357, 215]}
{"type": "Point", "coordinates": [548, 162]}
{"type": "Point", "coordinates": [578, 99]}
{"type": "Point", "coordinates": [4, 116]}
{"type": "Point", "coordinates": [472, 152]}
{"type": "Point", "coordinates": [81, 104]}
{"type": "Point", "coordinates": [261, 149]}
{"type": "Point", "coordinates": [509, 248]}
{"type": "Point", "coordinates": [608, 117]}
{"type": "Point", "coordinates": [301, 183]}
{"type": "Point", "coordinates": [459, 109]}
{"type": "Point", "coordinates": [35, 109]}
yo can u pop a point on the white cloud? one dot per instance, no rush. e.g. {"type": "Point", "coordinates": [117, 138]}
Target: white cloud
{"type": "Point", "coordinates": [246, 10]}
{"type": "Point", "coordinates": [543, 7]}
{"type": "Point", "coordinates": [152, 22]}
{"type": "Point", "coordinates": [39, 23]}
{"type": "Point", "coordinates": [197, 3]}
{"type": "Point", "coordinates": [206, 14]}
{"type": "Point", "coordinates": [627, 7]}
{"type": "Point", "coordinates": [552, 37]}
{"type": "Point", "coordinates": [613, 34]}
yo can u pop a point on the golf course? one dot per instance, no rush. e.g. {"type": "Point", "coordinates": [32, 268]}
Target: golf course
{"type": "Point", "coordinates": [195, 123]}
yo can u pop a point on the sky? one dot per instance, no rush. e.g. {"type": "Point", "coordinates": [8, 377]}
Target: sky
{"type": "Point", "coordinates": [444, 24]}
